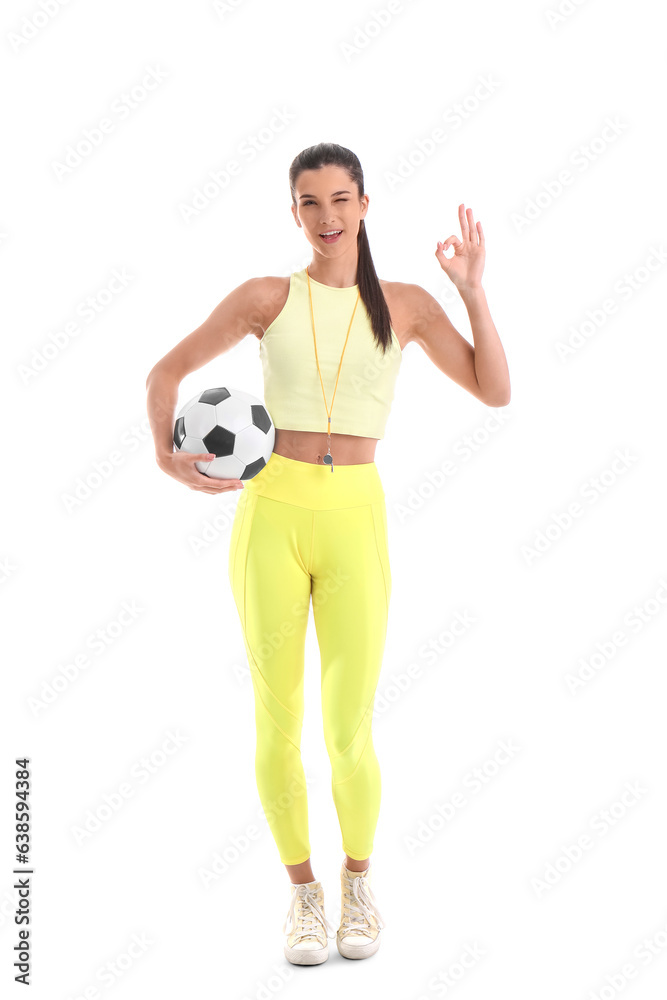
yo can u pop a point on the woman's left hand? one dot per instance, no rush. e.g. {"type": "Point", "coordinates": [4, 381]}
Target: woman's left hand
{"type": "Point", "coordinates": [466, 266]}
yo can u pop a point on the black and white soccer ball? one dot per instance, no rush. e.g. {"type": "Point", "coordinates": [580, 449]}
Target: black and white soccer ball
{"type": "Point", "coordinates": [232, 425]}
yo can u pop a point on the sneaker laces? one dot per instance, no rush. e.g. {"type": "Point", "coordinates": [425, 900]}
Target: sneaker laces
{"type": "Point", "coordinates": [310, 917]}
{"type": "Point", "coordinates": [359, 908]}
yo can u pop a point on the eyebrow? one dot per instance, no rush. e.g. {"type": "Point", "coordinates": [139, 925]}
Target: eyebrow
{"type": "Point", "coordinates": [314, 196]}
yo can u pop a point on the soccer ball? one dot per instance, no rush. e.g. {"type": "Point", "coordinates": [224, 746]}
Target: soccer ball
{"type": "Point", "coordinates": [230, 424]}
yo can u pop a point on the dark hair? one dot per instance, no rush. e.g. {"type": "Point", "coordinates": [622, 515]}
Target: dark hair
{"type": "Point", "coordinates": [370, 290]}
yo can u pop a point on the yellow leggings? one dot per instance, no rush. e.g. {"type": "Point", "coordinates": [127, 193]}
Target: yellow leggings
{"type": "Point", "coordinates": [301, 530]}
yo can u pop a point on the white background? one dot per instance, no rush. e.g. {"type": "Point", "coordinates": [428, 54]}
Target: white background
{"type": "Point", "coordinates": [495, 876]}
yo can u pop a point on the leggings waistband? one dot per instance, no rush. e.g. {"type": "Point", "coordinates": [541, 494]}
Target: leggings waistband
{"type": "Point", "coordinates": [307, 484]}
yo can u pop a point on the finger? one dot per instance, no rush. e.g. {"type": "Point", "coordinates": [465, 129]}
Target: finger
{"type": "Point", "coordinates": [481, 234]}
{"type": "Point", "coordinates": [473, 227]}
{"type": "Point", "coordinates": [213, 489]}
{"type": "Point", "coordinates": [220, 489]}
{"type": "Point", "coordinates": [210, 488]}
{"type": "Point", "coordinates": [451, 241]}
{"type": "Point", "coordinates": [201, 477]}
{"type": "Point", "coordinates": [463, 221]}
{"type": "Point", "coordinates": [440, 257]}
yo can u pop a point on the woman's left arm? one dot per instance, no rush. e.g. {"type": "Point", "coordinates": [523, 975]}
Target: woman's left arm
{"type": "Point", "coordinates": [481, 370]}
{"type": "Point", "coordinates": [489, 357]}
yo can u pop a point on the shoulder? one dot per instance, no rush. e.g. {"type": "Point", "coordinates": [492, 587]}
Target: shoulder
{"type": "Point", "coordinates": [266, 296]}
{"type": "Point", "coordinates": [407, 295]}
{"type": "Point", "coordinates": [409, 305]}
{"type": "Point", "coordinates": [266, 286]}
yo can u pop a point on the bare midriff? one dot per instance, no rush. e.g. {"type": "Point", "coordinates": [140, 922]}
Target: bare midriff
{"type": "Point", "coordinates": [311, 446]}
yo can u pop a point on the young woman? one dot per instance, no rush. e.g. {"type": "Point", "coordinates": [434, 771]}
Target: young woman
{"type": "Point", "coordinates": [311, 525]}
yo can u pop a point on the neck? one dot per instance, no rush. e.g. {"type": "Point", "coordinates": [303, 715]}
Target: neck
{"type": "Point", "coordinates": [340, 272]}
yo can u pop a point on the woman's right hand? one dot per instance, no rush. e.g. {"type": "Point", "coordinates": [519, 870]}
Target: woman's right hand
{"type": "Point", "coordinates": [180, 465]}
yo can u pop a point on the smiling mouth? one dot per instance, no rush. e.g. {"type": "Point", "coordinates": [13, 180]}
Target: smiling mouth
{"type": "Point", "coordinates": [331, 236]}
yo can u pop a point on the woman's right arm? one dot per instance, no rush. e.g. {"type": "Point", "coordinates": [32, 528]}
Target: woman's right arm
{"type": "Point", "coordinates": [241, 312]}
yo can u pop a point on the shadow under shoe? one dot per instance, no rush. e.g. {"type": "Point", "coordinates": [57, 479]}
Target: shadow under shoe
{"type": "Point", "coordinates": [309, 928]}
{"type": "Point", "coordinates": [360, 920]}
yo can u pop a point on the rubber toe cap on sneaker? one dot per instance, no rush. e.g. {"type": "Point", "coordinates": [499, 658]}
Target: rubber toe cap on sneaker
{"type": "Point", "coordinates": [307, 945]}
{"type": "Point", "coordinates": [357, 946]}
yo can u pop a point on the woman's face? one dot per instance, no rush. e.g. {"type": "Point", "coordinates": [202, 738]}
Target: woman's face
{"type": "Point", "coordinates": [326, 199]}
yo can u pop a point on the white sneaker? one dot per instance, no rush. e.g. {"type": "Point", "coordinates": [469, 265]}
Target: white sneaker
{"type": "Point", "coordinates": [360, 920]}
{"type": "Point", "coordinates": [307, 942]}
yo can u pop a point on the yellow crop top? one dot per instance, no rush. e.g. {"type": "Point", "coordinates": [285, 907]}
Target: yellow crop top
{"type": "Point", "coordinates": [292, 388]}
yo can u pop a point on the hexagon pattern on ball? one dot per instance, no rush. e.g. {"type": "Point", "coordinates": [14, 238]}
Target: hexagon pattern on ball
{"type": "Point", "coordinates": [234, 426]}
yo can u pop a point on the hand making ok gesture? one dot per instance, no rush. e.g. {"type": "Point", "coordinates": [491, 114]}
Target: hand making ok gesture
{"type": "Point", "coordinates": [466, 266]}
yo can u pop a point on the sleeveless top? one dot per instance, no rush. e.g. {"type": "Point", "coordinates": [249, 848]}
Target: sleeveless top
{"type": "Point", "coordinates": [292, 387]}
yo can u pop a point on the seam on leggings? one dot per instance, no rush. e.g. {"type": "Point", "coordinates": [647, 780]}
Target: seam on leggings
{"type": "Point", "coordinates": [373, 514]}
{"type": "Point", "coordinates": [268, 712]}
{"type": "Point", "coordinates": [275, 500]}
{"type": "Point", "coordinates": [361, 721]}
{"type": "Point", "coordinates": [247, 553]}
{"type": "Point", "coordinates": [245, 582]}
{"type": "Point", "coordinates": [299, 506]}
{"type": "Point", "coordinates": [312, 546]}
{"type": "Point", "coordinates": [235, 553]}
{"type": "Point", "coordinates": [377, 546]}
{"type": "Point", "coordinates": [361, 757]}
